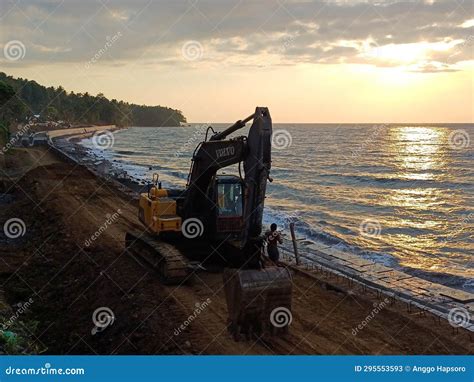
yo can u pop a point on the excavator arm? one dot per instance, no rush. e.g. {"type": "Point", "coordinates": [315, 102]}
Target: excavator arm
{"type": "Point", "coordinates": [257, 166]}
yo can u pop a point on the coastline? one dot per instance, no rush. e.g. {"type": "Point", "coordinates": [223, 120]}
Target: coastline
{"type": "Point", "coordinates": [414, 291]}
{"type": "Point", "coordinates": [68, 144]}
{"type": "Point", "coordinates": [329, 303]}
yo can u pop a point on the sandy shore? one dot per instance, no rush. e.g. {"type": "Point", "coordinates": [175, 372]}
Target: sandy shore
{"type": "Point", "coordinates": [63, 205]}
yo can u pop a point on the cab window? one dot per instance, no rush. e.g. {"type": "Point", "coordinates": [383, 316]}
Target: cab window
{"type": "Point", "coordinates": [230, 199]}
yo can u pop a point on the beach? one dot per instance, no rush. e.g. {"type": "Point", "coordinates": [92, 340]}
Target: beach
{"type": "Point", "coordinates": [69, 271]}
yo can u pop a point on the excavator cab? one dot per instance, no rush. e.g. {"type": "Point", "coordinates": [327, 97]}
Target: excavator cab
{"type": "Point", "coordinates": [229, 212]}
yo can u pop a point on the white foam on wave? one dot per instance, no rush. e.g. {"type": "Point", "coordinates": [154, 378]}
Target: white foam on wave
{"type": "Point", "coordinates": [95, 151]}
{"type": "Point", "coordinates": [319, 236]}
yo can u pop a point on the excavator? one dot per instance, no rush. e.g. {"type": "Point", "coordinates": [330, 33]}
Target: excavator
{"type": "Point", "coordinates": [217, 218]}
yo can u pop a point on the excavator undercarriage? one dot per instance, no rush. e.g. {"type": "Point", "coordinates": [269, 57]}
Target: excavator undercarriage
{"type": "Point", "coordinates": [171, 265]}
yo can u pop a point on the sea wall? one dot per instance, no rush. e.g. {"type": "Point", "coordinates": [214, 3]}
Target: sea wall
{"type": "Point", "coordinates": [79, 132]}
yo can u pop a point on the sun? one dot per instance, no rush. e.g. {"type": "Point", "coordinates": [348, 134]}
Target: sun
{"type": "Point", "coordinates": [412, 53]}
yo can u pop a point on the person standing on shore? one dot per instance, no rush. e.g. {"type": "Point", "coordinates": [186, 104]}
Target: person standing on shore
{"type": "Point", "coordinates": [273, 238]}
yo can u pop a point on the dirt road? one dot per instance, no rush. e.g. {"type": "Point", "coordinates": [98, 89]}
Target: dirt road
{"type": "Point", "coordinates": [70, 265]}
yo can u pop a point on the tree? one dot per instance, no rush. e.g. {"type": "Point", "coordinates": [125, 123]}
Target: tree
{"type": "Point", "coordinates": [52, 113]}
{"type": "Point", "coordinates": [10, 107]}
{"type": "Point", "coordinates": [56, 103]}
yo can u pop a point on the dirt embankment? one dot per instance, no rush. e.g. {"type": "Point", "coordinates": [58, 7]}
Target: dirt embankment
{"type": "Point", "coordinates": [68, 275]}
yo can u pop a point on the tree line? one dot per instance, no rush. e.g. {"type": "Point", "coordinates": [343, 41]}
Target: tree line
{"type": "Point", "coordinates": [21, 98]}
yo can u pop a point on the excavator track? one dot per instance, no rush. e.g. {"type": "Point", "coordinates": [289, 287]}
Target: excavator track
{"type": "Point", "coordinates": [172, 267]}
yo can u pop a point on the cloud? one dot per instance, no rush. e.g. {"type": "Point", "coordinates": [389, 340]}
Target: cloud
{"type": "Point", "coordinates": [433, 35]}
{"type": "Point", "coordinates": [431, 67]}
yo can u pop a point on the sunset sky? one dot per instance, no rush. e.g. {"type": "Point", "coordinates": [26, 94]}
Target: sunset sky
{"type": "Point", "coordinates": [332, 61]}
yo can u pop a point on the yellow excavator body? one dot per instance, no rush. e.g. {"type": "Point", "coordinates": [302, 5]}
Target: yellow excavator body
{"type": "Point", "coordinates": [158, 212]}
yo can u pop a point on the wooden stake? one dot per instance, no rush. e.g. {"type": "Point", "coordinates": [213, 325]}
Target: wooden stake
{"type": "Point", "coordinates": [293, 238]}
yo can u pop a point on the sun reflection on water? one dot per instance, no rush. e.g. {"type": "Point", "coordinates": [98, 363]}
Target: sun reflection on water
{"type": "Point", "coordinates": [418, 154]}
{"type": "Point", "coordinates": [419, 151]}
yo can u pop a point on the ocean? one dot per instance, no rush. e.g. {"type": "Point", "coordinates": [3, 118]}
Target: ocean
{"type": "Point", "coordinates": [397, 194]}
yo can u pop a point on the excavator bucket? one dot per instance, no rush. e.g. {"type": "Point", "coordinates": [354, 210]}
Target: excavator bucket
{"type": "Point", "coordinates": [258, 301]}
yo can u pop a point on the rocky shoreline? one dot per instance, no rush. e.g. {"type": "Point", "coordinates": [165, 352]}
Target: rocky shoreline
{"type": "Point", "coordinates": [101, 166]}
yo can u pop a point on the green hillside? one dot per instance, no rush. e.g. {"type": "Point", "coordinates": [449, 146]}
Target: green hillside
{"type": "Point", "coordinates": [57, 104]}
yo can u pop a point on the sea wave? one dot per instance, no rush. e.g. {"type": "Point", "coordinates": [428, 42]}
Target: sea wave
{"type": "Point", "coordinates": [316, 234]}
